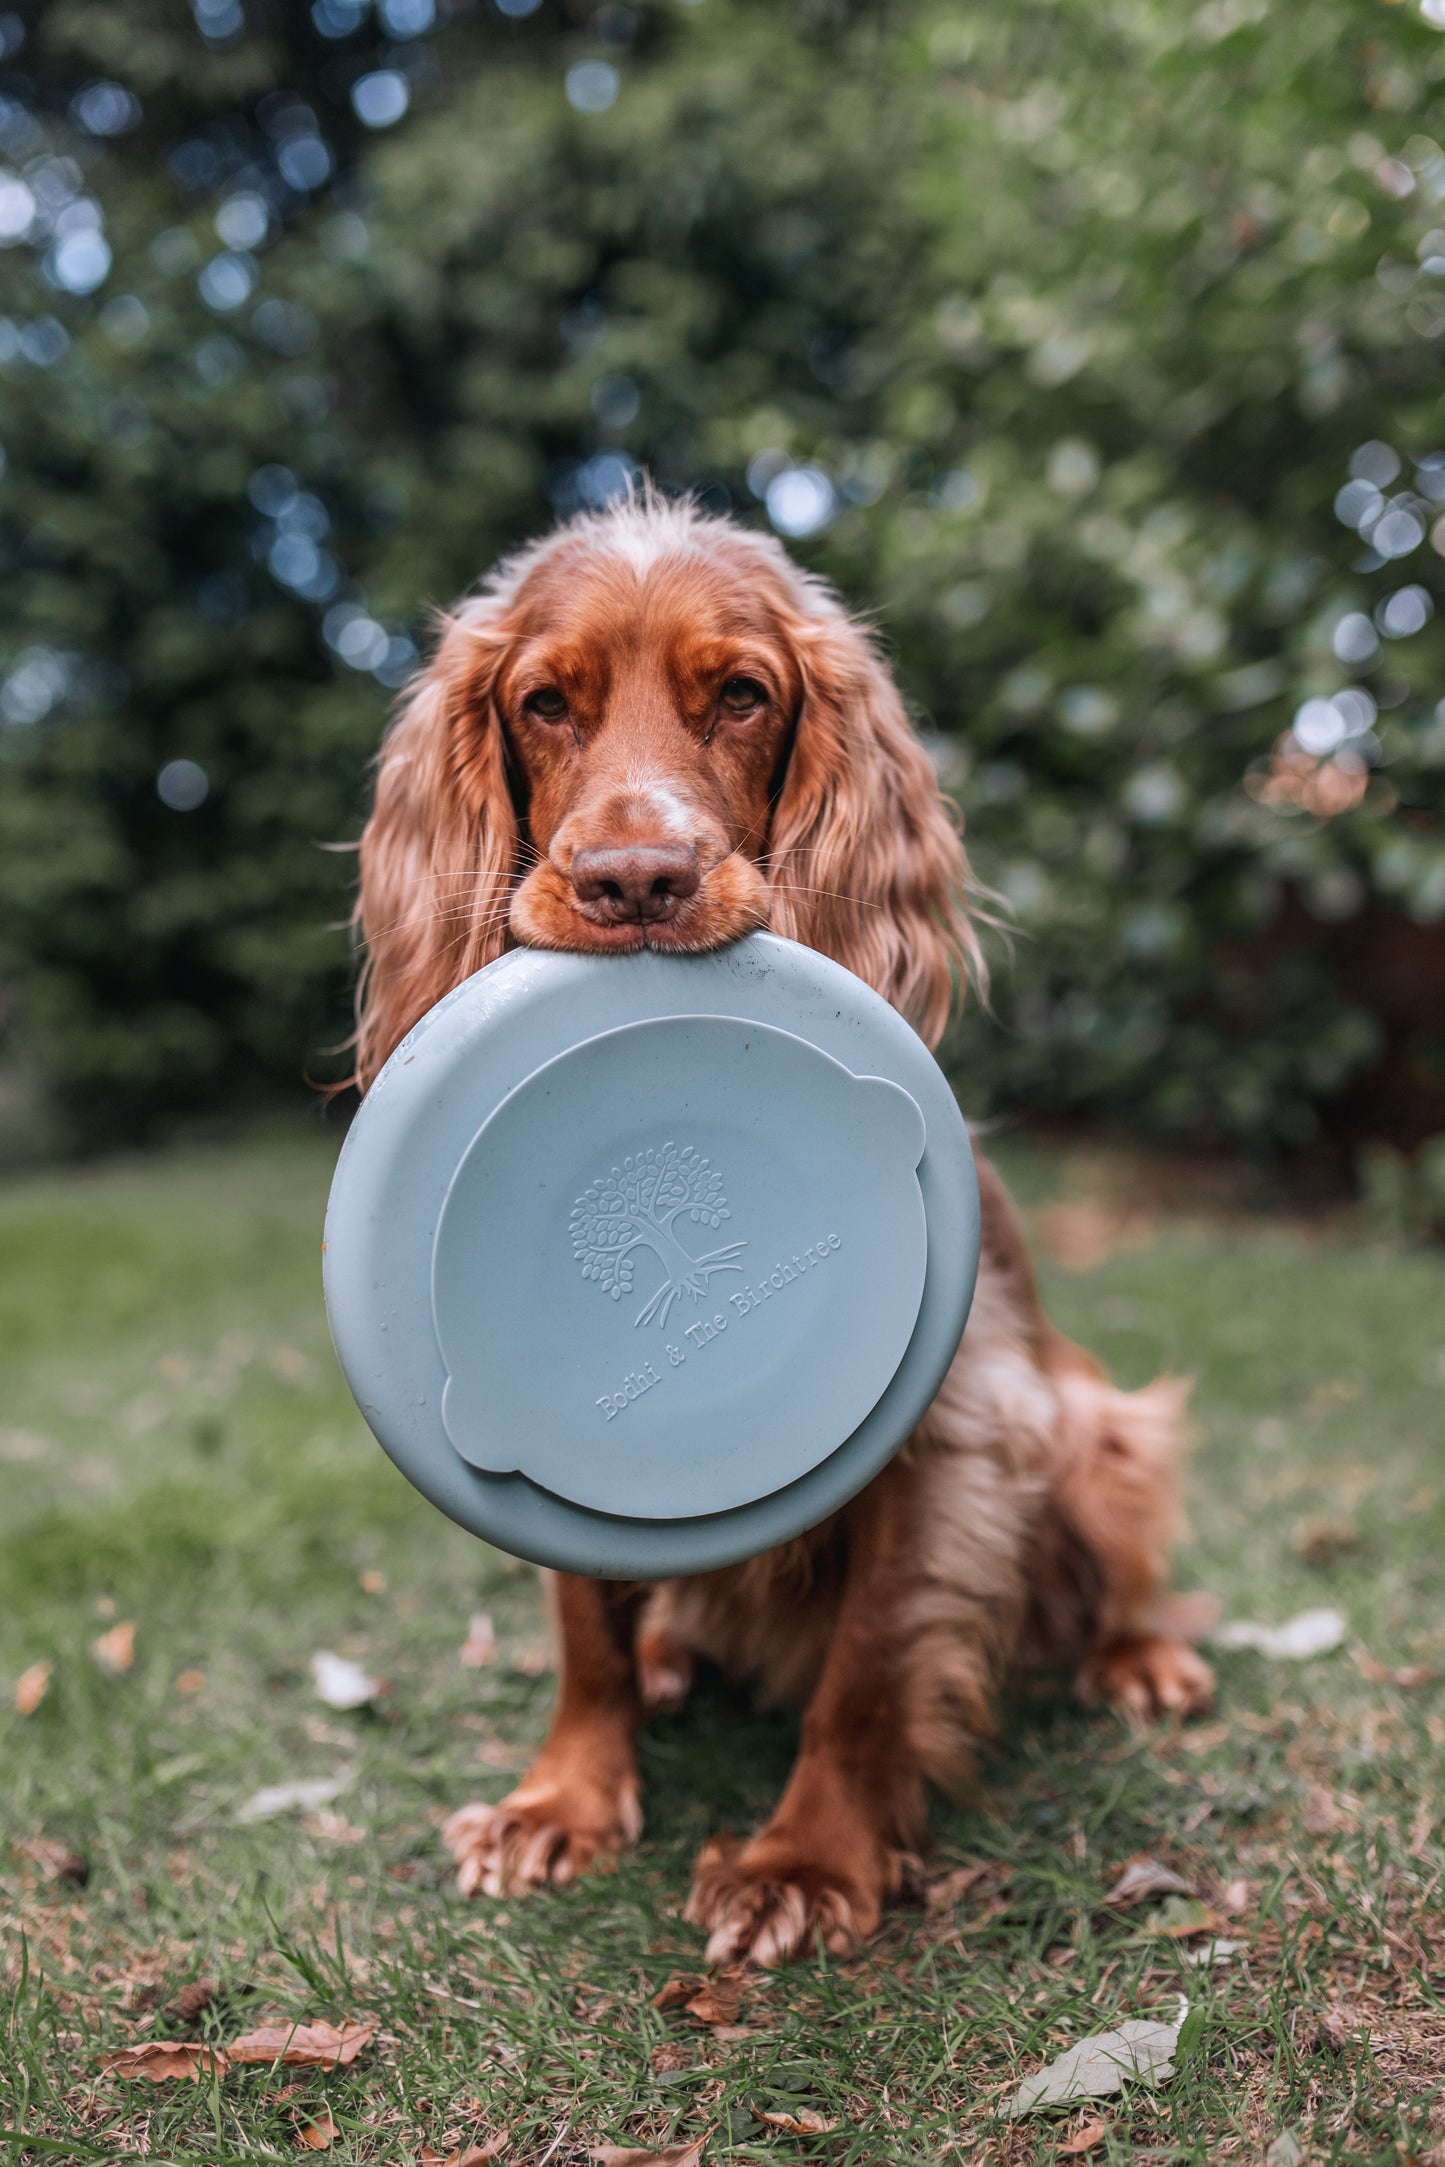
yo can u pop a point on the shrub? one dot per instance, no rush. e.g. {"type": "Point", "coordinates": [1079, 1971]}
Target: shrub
{"type": "Point", "coordinates": [1054, 333]}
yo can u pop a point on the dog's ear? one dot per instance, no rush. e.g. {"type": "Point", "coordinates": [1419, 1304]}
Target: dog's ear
{"type": "Point", "coordinates": [865, 858]}
{"type": "Point", "coordinates": [439, 853]}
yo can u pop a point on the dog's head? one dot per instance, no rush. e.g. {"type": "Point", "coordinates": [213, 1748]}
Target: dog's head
{"type": "Point", "coordinates": [652, 730]}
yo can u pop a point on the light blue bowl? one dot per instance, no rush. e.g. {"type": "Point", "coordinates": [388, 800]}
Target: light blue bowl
{"type": "Point", "coordinates": [639, 1265]}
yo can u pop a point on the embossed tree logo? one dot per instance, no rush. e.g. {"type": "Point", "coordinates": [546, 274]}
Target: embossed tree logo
{"type": "Point", "coordinates": [637, 1206]}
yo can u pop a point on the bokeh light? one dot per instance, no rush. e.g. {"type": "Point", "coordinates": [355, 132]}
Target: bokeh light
{"type": "Point", "coordinates": [183, 785]}
{"type": "Point", "coordinates": [592, 85]}
{"type": "Point", "coordinates": [380, 99]}
{"type": "Point", "coordinates": [800, 501]}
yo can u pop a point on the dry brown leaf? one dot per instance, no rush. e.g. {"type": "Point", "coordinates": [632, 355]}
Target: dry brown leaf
{"type": "Point", "coordinates": [1378, 1673]}
{"type": "Point", "coordinates": [949, 1889]}
{"type": "Point", "coordinates": [31, 1687]}
{"type": "Point", "coordinates": [807, 2122]}
{"type": "Point", "coordinates": [472, 2155]}
{"type": "Point", "coordinates": [709, 2000]}
{"type": "Point", "coordinates": [1320, 1541]}
{"type": "Point", "coordinates": [160, 2060]}
{"type": "Point", "coordinates": [190, 1681]}
{"type": "Point", "coordinates": [1333, 2035]}
{"type": "Point", "coordinates": [328, 1827]}
{"type": "Point", "coordinates": [318, 2135]}
{"type": "Point", "coordinates": [193, 1999]}
{"type": "Point", "coordinates": [1143, 1876]}
{"type": "Point", "coordinates": [371, 1582]}
{"type": "Point", "coordinates": [716, 2003]}
{"type": "Point", "coordinates": [672, 2155]}
{"type": "Point", "coordinates": [303, 2046]}
{"type": "Point", "coordinates": [480, 1646]}
{"type": "Point", "coordinates": [115, 1650]}
{"type": "Point", "coordinates": [56, 1860]}
{"type": "Point", "coordinates": [1085, 2137]}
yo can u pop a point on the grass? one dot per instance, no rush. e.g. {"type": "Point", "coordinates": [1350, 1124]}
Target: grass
{"type": "Point", "coordinates": [177, 1450]}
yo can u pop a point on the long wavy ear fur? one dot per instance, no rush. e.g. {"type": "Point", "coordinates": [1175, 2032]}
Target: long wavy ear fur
{"type": "Point", "coordinates": [865, 856]}
{"type": "Point", "coordinates": [439, 853]}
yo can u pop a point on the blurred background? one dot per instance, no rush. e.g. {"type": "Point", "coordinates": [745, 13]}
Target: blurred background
{"type": "Point", "coordinates": [1092, 346]}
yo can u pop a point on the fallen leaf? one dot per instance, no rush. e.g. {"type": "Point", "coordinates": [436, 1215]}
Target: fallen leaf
{"type": "Point", "coordinates": [716, 2003]}
{"type": "Point", "coordinates": [1085, 2137]}
{"type": "Point", "coordinates": [480, 1646]}
{"type": "Point", "coordinates": [192, 2000]}
{"type": "Point", "coordinates": [160, 2060]}
{"type": "Point", "coordinates": [1333, 2036]}
{"type": "Point", "coordinates": [56, 1860]}
{"type": "Point", "coordinates": [303, 2046]}
{"type": "Point", "coordinates": [190, 1681]}
{"type": "Point", "coordinates": [330, 1827]}
{"type": "Point", "coordinates": [1320, 1542]}
{"type": "Point", "coordinates": [1181, 1917]}
{"type": "Point", "coordinates": [1313, 1632]}
{"type": "Point", "coordinates": [318, 2136]}
{"type": "Point", "coordinates": [1140, 2048]}
{"type": "Point", "coordinates": [1218, 1951]}
{"type": "Point", "coordinates": [1377, 1673]}
{"type": "Point", "coordinates": [672, 2155]}
{"type": "Point", "coordinates": [678, 1992]}
{"type": "Point", "coordinates": [306, 1796]}
{"type": "Point", "coordinates": [371, 1582]}
{"type": "Point", "coordinates": [31, 1687]}
{"type": "Point", "coordinates": [949, 1890]}
{"type": "Point", "coordinates": [1143, 1876]}
{"type": "Point", "coordinates": [1286, 2151]}
{"type": "Point", "coordinates": [805, 2123]}
{"type": "Point", "coordinates": [341, 1683]}
{"type": "Point", "coordinates": [115, 1650]}
{"type": "Point", "coordinates": [473, 2155]}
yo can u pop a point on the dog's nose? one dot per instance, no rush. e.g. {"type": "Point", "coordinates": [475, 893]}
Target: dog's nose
{"type": "Point", "coordinates": [638, 881]}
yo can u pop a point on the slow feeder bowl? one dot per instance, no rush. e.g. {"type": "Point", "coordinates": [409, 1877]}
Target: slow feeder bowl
{"type": "Point", "coordinates": [638, 1265]}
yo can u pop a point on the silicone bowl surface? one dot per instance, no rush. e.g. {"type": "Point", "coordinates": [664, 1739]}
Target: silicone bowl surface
{"type": "Point", "coordinates": [638, 1265]}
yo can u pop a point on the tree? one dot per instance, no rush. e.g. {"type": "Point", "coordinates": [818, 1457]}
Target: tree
{"type": "Point", "coordinates": [1092, 346]}
{"type": "Point", "coordinates": [637, 1207]}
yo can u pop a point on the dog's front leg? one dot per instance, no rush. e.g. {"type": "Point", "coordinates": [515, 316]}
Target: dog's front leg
{"type": "Point", "coordinates": [580, 1796]}
{"type": "Point", "coordinates": [831, 1853]}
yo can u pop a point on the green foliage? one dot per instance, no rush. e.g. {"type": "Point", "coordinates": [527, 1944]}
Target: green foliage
{"type": "Point", "coordinates": [1054, 329]}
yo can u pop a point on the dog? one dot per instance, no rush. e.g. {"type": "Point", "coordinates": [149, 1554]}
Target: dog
{"type": "Point", "coordinates": [653, 730]}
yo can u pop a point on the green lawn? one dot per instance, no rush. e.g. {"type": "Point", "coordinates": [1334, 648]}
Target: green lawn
{"type": "Point", "coordinates": [176, 1449]}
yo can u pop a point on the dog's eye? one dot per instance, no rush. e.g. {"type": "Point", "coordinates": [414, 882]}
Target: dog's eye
{"type": "Point", "coordinates": [547, 702]}
{"type": "Point", "coordinates": [740, 695]}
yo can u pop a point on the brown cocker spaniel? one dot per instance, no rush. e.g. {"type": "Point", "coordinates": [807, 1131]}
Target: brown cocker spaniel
{"type": "Point", "coordinates": [651, 729]}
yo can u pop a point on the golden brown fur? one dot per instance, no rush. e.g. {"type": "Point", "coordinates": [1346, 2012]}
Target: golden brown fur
{"type": "Point", "coordinates": [652, 729]}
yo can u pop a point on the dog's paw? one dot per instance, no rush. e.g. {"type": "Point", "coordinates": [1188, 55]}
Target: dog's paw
{"type": "Point", "coordinates": [1146, 1678]}
{"type": "Point", "coordinates": [537, 1839]}
{"type": "Point", "coordinates": [760, 1905]}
